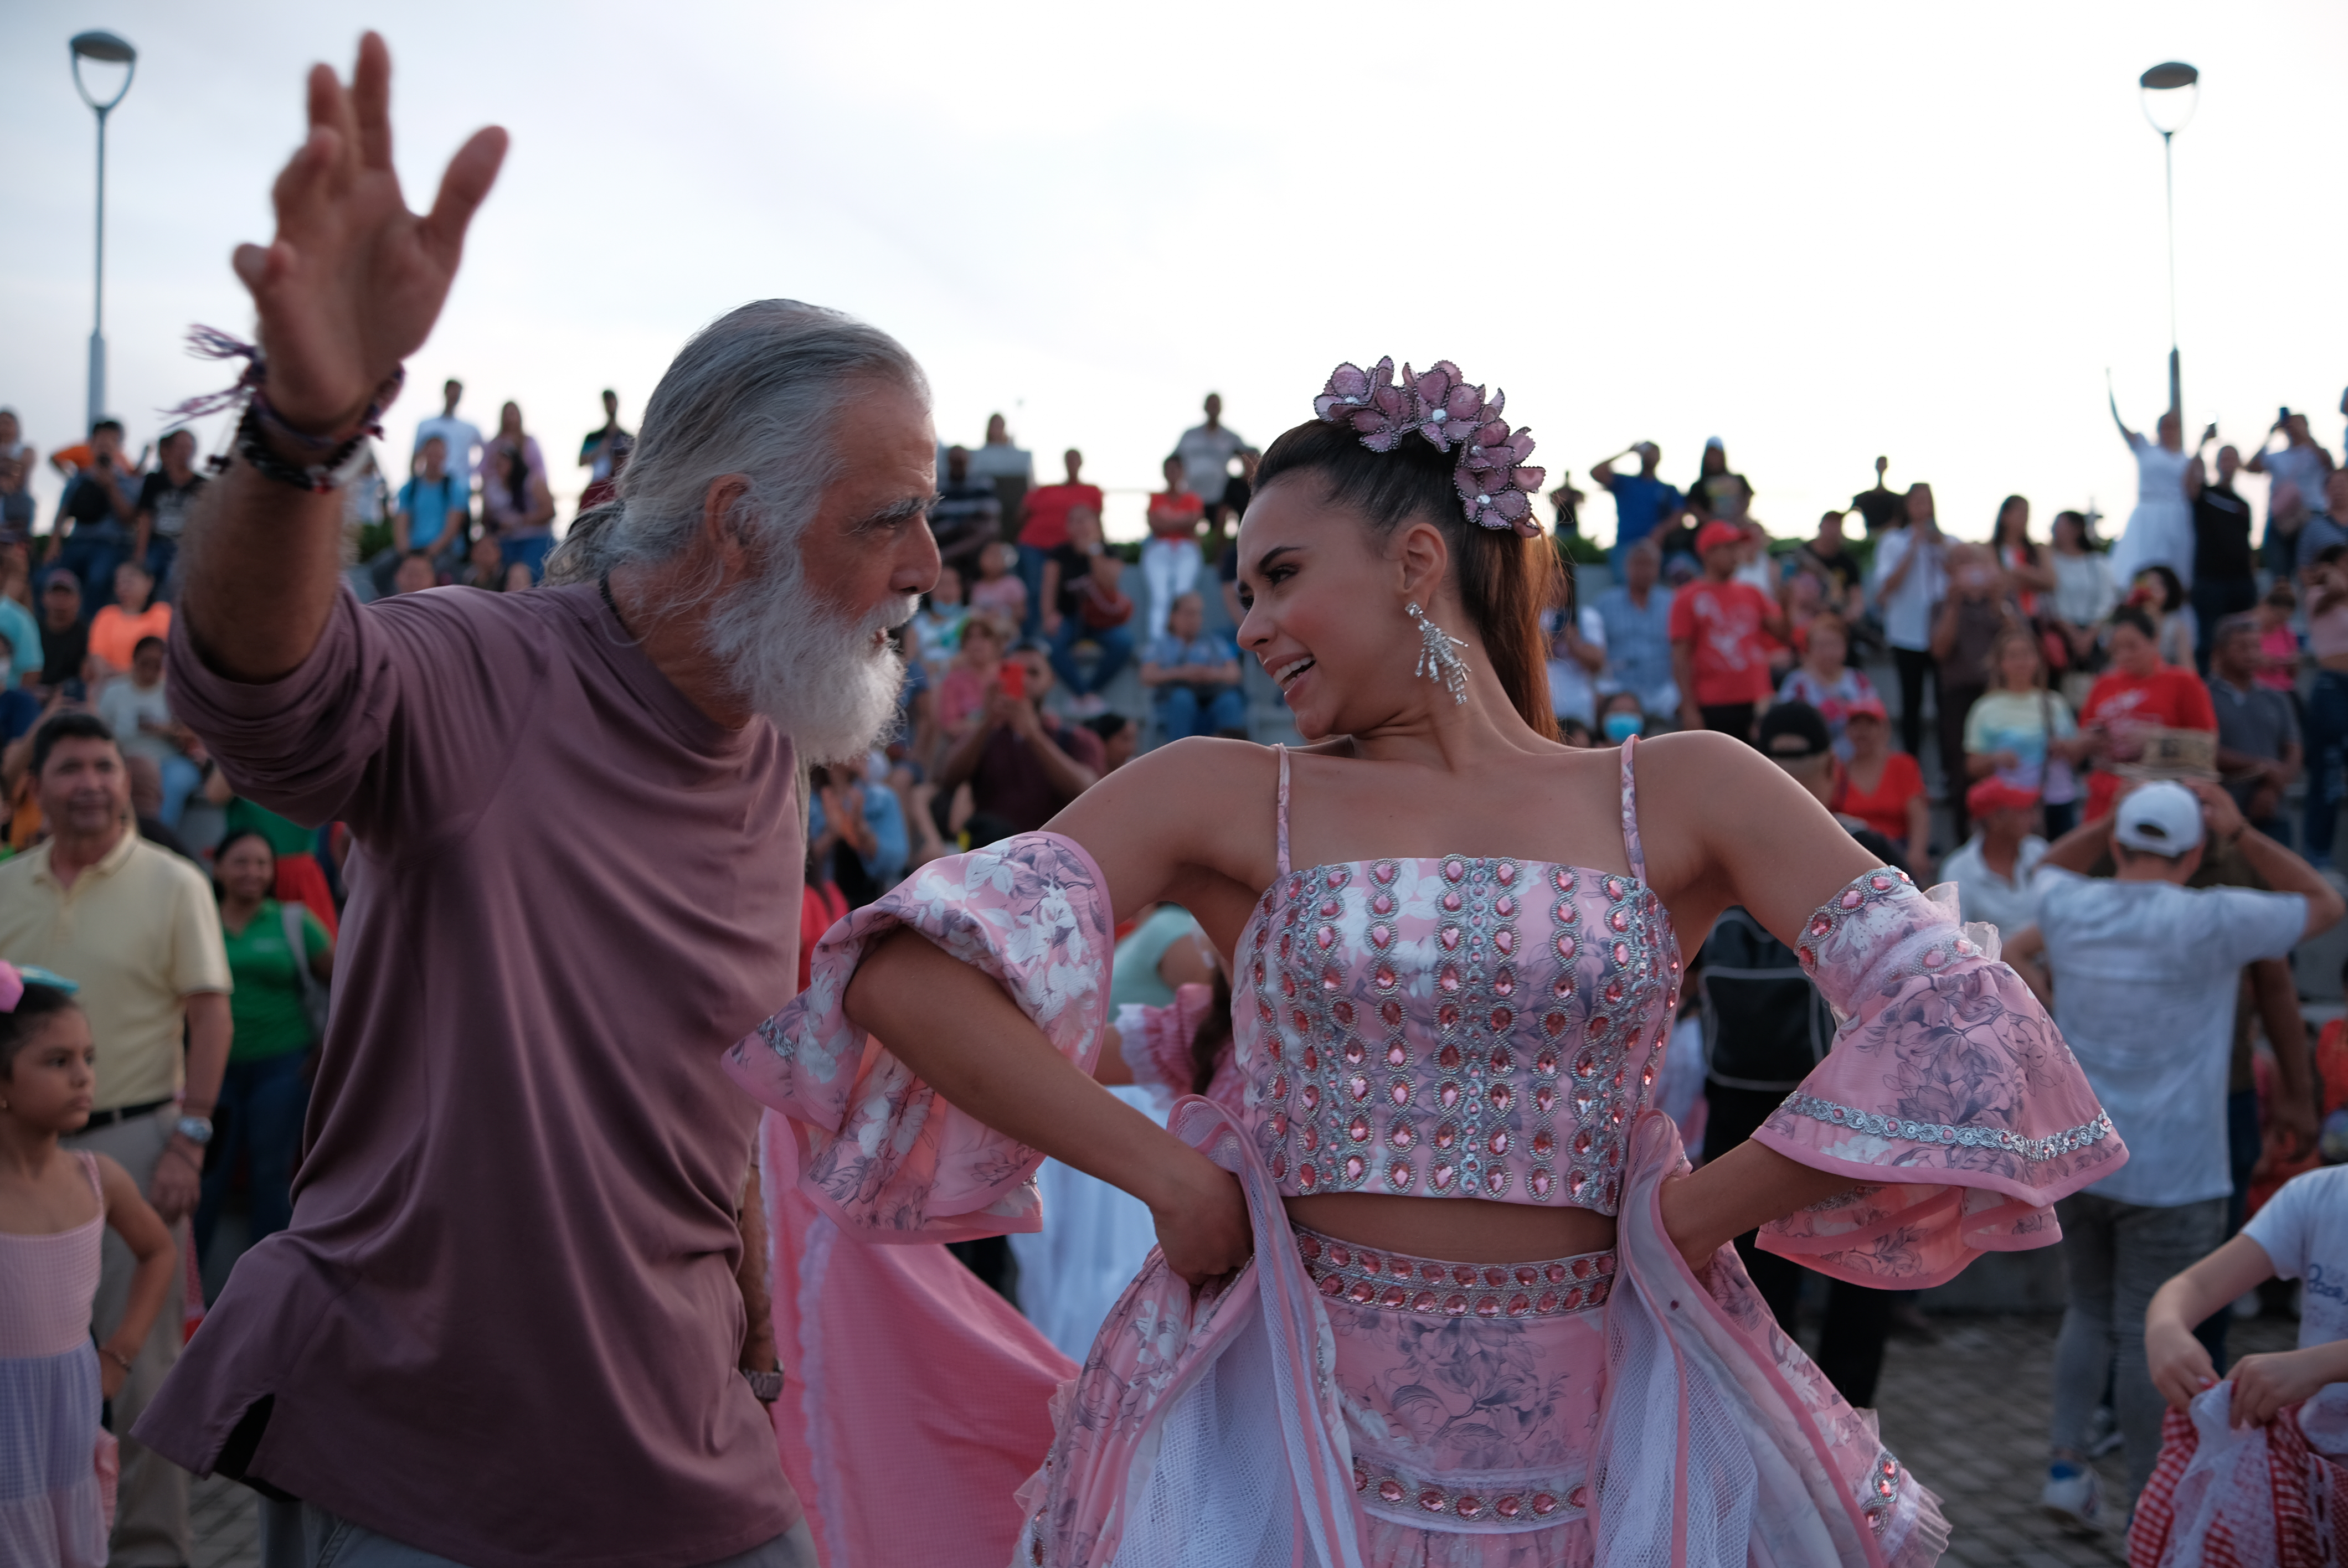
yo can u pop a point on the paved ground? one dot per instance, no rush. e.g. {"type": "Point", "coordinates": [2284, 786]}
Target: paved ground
{"type": "Point", "coordinates": [1968, 1414]}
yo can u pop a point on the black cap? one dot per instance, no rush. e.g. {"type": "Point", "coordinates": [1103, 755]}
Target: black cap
{"type": "Point", "coordinates": [1795, 733]}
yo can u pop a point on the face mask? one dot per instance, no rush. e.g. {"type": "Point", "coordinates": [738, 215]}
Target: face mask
{"type": "Point", "coordinates": [1620, 727]}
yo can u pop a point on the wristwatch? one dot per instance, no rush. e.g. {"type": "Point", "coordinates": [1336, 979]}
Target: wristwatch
{"type": "Point", "coordinates": [196, 1129]}
{"type": "Point", "coordinates": [767, 1385]}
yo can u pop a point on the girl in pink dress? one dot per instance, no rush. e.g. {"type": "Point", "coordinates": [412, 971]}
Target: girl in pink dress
{"type": "Point", "coordinates": [56, 1487]}
{"type": "Point", "coordinates": [1435, 1286]}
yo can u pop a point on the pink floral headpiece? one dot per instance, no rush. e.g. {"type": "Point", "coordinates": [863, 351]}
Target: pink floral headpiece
{"type": "Point", "coordinates": [1494, 482]}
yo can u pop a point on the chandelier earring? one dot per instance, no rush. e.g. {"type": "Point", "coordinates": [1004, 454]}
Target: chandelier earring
{"type": "Point", "coordinates": [1437, 658]}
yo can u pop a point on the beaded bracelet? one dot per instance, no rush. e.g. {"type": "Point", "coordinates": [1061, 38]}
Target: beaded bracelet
{"type": "Point", "coordinates": [342, 461]}
{"type": "Point", "coordinates": [339, 467]}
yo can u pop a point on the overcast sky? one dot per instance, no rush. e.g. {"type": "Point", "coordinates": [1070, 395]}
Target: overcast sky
{"type": "Point", "coordinates": [1821, 232]}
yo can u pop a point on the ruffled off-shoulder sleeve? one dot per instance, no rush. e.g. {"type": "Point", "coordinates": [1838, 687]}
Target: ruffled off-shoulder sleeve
{"type": "Point", "coordinates": [1948, 1088]}
{"type": "Point", "coordinates": [878, 1149]}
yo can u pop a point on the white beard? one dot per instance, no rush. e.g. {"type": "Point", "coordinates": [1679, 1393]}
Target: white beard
{"type": "Point", "coordinates": [828, 682]}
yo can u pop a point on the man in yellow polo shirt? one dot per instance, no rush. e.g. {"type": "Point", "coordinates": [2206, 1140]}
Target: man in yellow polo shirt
{"type": "Point", "coordinates": [137, 928]}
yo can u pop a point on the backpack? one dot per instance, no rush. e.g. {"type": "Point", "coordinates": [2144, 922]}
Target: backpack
{"type": "Point", "coordinates": [314, 995]}
{"type": "Point", "coordinates": [1764, 1024]}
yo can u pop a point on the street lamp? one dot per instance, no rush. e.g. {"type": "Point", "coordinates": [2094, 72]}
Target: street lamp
{"type": "Point", "coordinates": [106, 49]}
{"type": "Point", "coordinates": [2171, 91]}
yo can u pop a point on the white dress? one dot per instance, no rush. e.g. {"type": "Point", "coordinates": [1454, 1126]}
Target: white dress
{"type": "Point", "coordinates": [2161, 530]}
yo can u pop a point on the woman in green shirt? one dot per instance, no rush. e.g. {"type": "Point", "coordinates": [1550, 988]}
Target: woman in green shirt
{"type": "Point", "coordinates": [280, 958]}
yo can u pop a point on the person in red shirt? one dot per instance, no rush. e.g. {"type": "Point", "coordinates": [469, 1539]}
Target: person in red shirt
{"type": "Point", "coordinates": [2137, 694]}
{"type": "Point", "coordinates": [1044, 529]}
{"type": "Point", "coordinates": [1719, 654]}
{"type": "Point", "coordinates": [1883, 787]}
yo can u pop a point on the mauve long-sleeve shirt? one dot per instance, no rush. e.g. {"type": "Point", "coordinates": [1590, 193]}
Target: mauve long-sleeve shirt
{"type": "Point", "coordinates": [504, 1325]}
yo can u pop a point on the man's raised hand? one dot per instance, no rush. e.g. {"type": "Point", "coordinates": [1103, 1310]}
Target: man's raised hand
{"type": "Point", "coordinates": [353, 280]}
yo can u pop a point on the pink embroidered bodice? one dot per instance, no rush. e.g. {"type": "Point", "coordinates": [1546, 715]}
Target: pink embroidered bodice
{"type": "Point", "coordinates": [1467, 1027]}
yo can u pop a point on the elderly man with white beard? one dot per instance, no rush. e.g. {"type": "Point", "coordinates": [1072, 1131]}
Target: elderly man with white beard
{"type": "Point", "coordinates": [504, 1326]}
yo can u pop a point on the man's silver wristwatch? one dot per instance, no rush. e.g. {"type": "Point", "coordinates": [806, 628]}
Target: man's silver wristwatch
{"type": "Point", "coordinates": [767, 1385]}
{"type": "Point", "coordinates": [196, 1129]}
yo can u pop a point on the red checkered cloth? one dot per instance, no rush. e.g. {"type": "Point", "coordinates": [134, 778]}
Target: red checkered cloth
{"type": "Point", "coordinates": [2252, 1498]}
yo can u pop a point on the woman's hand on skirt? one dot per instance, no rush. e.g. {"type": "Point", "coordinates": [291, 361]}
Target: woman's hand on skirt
{"type": "Point", "coordinates": [1202, 1219]}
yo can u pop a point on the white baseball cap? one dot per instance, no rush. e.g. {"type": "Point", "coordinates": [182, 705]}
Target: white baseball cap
{"type": "Point", "coordinates": [2162, 818]}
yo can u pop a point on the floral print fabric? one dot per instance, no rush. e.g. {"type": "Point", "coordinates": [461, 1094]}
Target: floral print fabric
{"type": "Point", "coordinates": [1947, 1082]}
{"type": "Point", "coordinates": [879, 1149]}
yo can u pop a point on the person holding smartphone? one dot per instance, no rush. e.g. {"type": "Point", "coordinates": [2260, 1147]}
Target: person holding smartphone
{"type": "Point", "coordinates": [1022, 765]}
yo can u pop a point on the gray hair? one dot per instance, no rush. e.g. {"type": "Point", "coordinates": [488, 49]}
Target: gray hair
{"type": "Point", "coordinates": [754, 393]}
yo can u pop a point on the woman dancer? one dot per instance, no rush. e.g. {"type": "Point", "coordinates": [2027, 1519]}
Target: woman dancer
{"type": "Point", "coordinates": [2161, 530]}
{"type": "Point", "coordinates": [1455, 964]}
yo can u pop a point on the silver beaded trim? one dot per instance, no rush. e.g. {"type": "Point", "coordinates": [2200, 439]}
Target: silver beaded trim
{"type": "Point", "coordinates": [1881, 1494]}
{"type": "Point", "coordinates": [2068, 1141]}
{"type": "Point", "coordinates": [1408, 1500]}
{"type": "Point", "coordinates": [1432, 1288]}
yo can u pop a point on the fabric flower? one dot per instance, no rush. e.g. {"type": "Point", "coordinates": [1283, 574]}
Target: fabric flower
{"type": "Point", "coordinates": [1495, 482]}
{"type": "Point", "coordinates": [1349, 388]}
{"type": "Point", "coordinates": [1449, 409]}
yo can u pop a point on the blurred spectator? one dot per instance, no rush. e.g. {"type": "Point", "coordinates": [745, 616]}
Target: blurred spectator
{"type": "Point", "coordinates": [859, 829]}
{"type": "Point", "coordinates": [1009, 469]}
{"type": "Point", "coordinates": [998, 590]}
{"type": "Point", "coordinates": [435, 510]}
{"type": "Point", "coordinates": [164, 498]}
{"type": "Point", "coordinates": [1620, 717]}
{"type": "Point", "coordinates": [2277, 643]}
{"type": "Point", "coordinates": [134, 924]}
{"type": "Point", "coordinates": [515, 501]}
{"type": "Point", "coordinates": [1834, 566]}
{"type": "Point", "coordinates": [978, 660]}
{"type": "Point", "coordinates": [2084, 591]}
{"type": "Point", "coordinates": [115, 631]}
{"type": "Point", "coordinates": [938, 623]}
{"type": "Point", "coordinates": [2225, 572]}
{"type": "Point", "coordinates": [65, 636]}
{"type": "Point", "coordinates": [1206, 452]}
{"type": "Point", "coordinates": [1575, 733]}
{"type": "Point", "coordinates": [94, 516]}
{"type": "Point", "coordinates": [1882, 507]}
{"type": "Point", "coordinates": [1825, 682]}
{"type": "Point", "coordinates": [2327, 700]}
{"type": "Point", "coordinates": [2326, 522]}
{"type": "Point", "coordinates": [1965, 630]}
{"type": "Point", "coordinates": [1170, 556]}
{"type": "Point", "coordinates": [459, 438]}
{"type": "Point", "coordinates": [1567, 501]}
{"type": "Point", "coordinates": [282, 960]}
{"type": "Point", "coordinates": [1022, 768]}
{"type": "Point", "coordinates": [2142, 975]}
{"type": "Point", "coordinates": [485, 564]}
{"type": "Point", "coordinates": [1087, 604]}
{"type": "Point", "coordinates": [16, 513]}
{"type": "Point", "coordinates": [20, 631]}
{"type": "Point", "coordinates": [1120, 737]}
{"type": "Point", "coordinates": [966, 517]}
{"type": "Point", "coordinates": [1884, 788]}
{"type": "Point", "coordinates": [605, 450]}
{"type": "Point", "coordinates": [1765, 1028]}
{"type": "Point", "coordinates": [1238, 491]}
{"type": "Point", "coordinates": [1044, 529]}
{"type": "Point", "coordinates": [1992, 868]}
{"type": "Point", "coordinates": [2304, 467]}
{"type": "Point", "coordinates": [1716, 492]}
{"type": "Point", "coordinates": [2259, 752]}
{"type": "Point", "coordinates": [147, 805]}
{"type": "Point", "coordinates": [413, 574]}
{"type": "Point", "coordinates": [1718, 657]}
{"type": "Point", "coordinates": [1637, 614]}
{"type": "Point", "coordinates": [2160, 529]}
{"type": "Point", "coordinates": [1908, 585]}
{"type": "Point", "coordinates": [2027, 569]}
{"type": "Point", "coordinates": [139, 711]}
{"type": "Point", "coordinates": [2160, 593]}
{"type": "Point", "coordinates": [1577, 654]}
{"type": "Point", "coordinates": [1642, 503]}
{"type": "Point", "coordinates": [301, 879]}
{"type": "Point", "coordinates": [1195, 678]}
{"type": "Point", "coordinates": [2023, 735]}
{"type": "Point", "coordinates": [2139, 695]}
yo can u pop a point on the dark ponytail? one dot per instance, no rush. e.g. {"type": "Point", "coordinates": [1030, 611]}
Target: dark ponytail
{"type": "Point", "coordinates": [1505, 580]}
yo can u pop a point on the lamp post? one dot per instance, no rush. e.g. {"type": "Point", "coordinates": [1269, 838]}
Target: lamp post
{"type": "Point", "coordinates": [106, 49]}
{"type": "Point", "coordinates": [2171, 91]}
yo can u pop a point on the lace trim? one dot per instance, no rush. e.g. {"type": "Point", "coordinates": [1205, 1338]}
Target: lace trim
{"type": "Point", "coordinates": [1412, 1500]}
{"type": "Point", "coordinates": [1432, 1288]}
{"type": "Point", "coordinates": [2070, 1140]}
